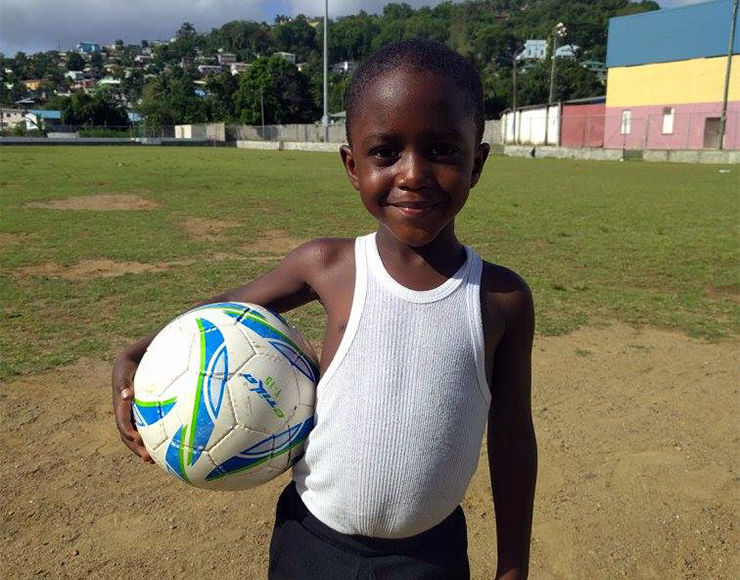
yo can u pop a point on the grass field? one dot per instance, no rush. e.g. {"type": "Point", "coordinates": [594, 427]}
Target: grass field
{"type": "Point", "coordinates": [648, 244]}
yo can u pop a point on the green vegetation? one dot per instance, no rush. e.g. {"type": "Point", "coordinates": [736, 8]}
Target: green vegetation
{"type": "Point", "coordinates": [644, 243]}
{"type": "Point", "coordinates": [488, 32]}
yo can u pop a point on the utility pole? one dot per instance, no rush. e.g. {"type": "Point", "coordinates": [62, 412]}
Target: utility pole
{"type": "Point", "coordinates": [325, 118]}
{"type": "Point", "coordinates": [723, 117]}
{"type": "Point", "coordinates": [558, 32]}
{"type": "Point", "coordinates": [262, 107]}
{"type": "Point", "coordinates": [513, 97]}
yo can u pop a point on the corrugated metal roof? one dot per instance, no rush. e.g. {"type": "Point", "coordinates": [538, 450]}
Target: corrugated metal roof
{"type": "Point", "coordinates": [44, 114]}
{"type": "Point", "coordinates": [682, 33]}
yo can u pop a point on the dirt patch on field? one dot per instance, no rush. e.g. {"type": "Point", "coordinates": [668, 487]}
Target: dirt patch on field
{"type": "Point", "coordinates": [211, 230]}
{"type": "Point", "coordinates": [273, 242]}
{"type": "Point", "coordinates": [7, 239]}
{"type": "Point", "coordinates": [101, 268]}
{"type": "Point", "coordinates": [726, 292]}
{"type": "Point", "coordinates": [638, 454]}
{"type": "Point", "coordinates": [103, 202]}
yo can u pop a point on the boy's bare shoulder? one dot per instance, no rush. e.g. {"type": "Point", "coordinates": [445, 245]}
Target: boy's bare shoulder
{"type": "Point", "coordinates": [322, 261]}
{"type": "Point", "coordinates": [506, 294]}
{"type": "Point", "coordinates": [325, 252]}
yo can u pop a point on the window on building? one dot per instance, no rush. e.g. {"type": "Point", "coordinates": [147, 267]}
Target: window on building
{"type": "Point", "coordinates": [626, 122]}
{"type": "Point", "coordinates": [668, 120]}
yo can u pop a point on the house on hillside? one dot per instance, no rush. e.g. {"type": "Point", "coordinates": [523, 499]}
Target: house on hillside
{"type": "Point", "coordinates": [666, 79]}
{"type": "Point", "coordinates": [238, 67]}
{"type": "Point", "coordinates": [88, 47]}
{"type": "Point", "coordinates": [39, 118]}
{"type": "Point", "coordinates": [289, 56]}
{"type": "Point", "coordinates": [567, 51]}
{"type": "Point", "coordinates": [209, 69]}
{"type": "Point", "coordinates": [597, 67]}
{"type": "Point", "coordinates": [36, 84]}
{"type": "Point", "coordinates": [533, 50]}
{"type": "Point", "coordinates": [11, 118]}
{"type": "Point", "coordinates": [346, 67]}
{"type": "Point", "coordinates": [226, 57]}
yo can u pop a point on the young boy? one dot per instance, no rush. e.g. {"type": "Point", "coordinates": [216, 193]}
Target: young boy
{"type": "Point", "coordinates": [424, 344]}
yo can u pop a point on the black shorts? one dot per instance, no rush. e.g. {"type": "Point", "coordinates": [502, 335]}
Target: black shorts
{"type": "Point", "coordinates": [303, 548]}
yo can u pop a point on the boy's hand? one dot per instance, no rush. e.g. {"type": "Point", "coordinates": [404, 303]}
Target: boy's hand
{"type": "Point", "coordinates": [123, 395]}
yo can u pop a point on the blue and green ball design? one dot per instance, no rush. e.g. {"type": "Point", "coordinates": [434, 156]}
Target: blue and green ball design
{"type": "Point", "coordinates": [186, 452]}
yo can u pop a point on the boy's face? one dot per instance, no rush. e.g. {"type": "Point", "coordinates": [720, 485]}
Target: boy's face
{"type": "Point", "coordinates": [414, 153]}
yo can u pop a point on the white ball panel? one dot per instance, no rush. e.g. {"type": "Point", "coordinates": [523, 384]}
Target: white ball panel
{"type": "Point", "coordinates": [166, 359]}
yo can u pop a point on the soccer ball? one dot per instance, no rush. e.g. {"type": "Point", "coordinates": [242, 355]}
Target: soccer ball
{"type": "Point", "coordinates": [224, 396]}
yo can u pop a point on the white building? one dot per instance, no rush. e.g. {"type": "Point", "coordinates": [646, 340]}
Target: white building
{"type": "Point", "coordinates": [10, 118]}
{"type": "Point", "coordinates": [226, 58]}
{"type": "Point", "coordinates": [289, 56]}
{"type": "Point", "coordinates": [109, 82]}
{"type": "Point", "coordinates": [75, 75]}
{"type": "Point", "coordinates": [567, 51]}
{"type": "Point", "coordinates": [238, 67]}
{"type": "Point", "coordinates": [209, 69]}
{"type": "Point", "coordinates": [533, 50]}
{"type": "Point", "coordinates": [346, 67]}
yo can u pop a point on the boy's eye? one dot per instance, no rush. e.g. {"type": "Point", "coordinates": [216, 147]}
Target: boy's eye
{"type": "Point", "coordinates": [442, 150]}
{"type": "Point", "coordinates": [383, 153]}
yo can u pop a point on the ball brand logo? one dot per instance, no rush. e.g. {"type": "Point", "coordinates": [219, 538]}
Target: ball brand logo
{"type": "Point", "coordinates": [262, 391]}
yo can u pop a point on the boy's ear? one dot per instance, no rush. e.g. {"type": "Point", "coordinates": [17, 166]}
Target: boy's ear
{"type": "Point", "coordinates": [481, 154]}
{"type": "Point", "coordinates": [349, 165]}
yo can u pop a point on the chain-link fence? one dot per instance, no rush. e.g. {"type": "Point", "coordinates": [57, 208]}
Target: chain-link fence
{"type": "Point", "coordinates": [623, 129]}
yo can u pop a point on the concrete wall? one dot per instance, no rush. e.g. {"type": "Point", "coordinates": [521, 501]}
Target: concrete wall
{"type": "Point", "coordinates": [689, 121]}
{"type": "Point", "coordinates": [297, 133]}
{"type": "Point", "coordinates": [529, 126]}
{"type": "Point", "coordinates": [583, 125]}
{"type": "Point", "coordinates": [190, 131]}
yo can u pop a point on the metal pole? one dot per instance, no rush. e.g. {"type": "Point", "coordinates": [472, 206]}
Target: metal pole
{"type": "Point", "coordinates": [325, 119]}
{"type": "Point", "coordinates": [513, 104]}
{"type": "Point", "coordinates": [723, 117]}
{"type": "Point", "coordinates": [552, 68]}
{"type": "Point", "coordinates": [262, 107]}
{"type": "Point", "coordinates": [552, 80]}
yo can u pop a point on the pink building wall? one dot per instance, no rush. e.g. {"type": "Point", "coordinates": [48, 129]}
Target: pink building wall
{"type": "Point", "coordinates": [582, 125]}
{"type": "Point", "coordinates": [646, 126]}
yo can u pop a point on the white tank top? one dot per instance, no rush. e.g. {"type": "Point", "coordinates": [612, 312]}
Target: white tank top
{"type": "Point", "coordinates": [401, 410]}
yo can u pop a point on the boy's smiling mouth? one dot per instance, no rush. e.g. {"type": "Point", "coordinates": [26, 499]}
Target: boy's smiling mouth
{"type": "Point", "coordinates": [415, 208]}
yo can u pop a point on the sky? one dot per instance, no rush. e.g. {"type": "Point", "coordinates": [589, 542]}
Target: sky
{"type": "Point", "coordinates": [37, 25]}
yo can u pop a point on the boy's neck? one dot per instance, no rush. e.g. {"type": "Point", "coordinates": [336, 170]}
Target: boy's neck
{"type": "Point", "coordinates": [445, 253]}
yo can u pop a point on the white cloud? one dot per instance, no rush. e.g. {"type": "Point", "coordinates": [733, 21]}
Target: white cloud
{"type": "Point", "coordinates": [32, 25]}
{"type": "Point", "coordinates": [675, 3]}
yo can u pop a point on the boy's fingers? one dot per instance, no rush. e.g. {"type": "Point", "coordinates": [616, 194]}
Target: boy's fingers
{"type": "Point", "coordinates": [124, 387]}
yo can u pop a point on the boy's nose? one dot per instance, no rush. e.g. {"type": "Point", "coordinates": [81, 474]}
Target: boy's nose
{"type": "Point", "coordinates": [414, 172]}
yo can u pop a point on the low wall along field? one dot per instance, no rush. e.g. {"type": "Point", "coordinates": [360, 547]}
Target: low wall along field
{"type": "Point", "coordinates": [633, 269]}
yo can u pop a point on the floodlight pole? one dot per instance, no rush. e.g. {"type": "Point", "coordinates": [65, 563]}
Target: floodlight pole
{"type": "Point", "coordinates": [723, 117]}
{"type": "Point", "coordinates": [557, 32]}
{"type": "Point", "coordinates": [513, 98]}
{"type": "Point", "coordinates": [262, 108]}
{"type": "Point", "coordinates": [325, 118]}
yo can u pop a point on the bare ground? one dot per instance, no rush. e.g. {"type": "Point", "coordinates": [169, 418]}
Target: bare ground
{"type": "Point", "coordinates": [99, 268]}
{"type": "Point", "coordinates": [211, 230]}
{"type": "Point", "coordinates": [638, 446]}
{"type": "Point", "coordinates": [102, 202]}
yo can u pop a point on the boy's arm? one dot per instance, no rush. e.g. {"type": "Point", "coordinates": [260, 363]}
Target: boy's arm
{"type": "Point", "coordinates": [512, 448]}
{"type": "Point", "coordinates": [286, 287]}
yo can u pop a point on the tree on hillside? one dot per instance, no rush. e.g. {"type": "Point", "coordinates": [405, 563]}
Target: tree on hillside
{"type": "Point", "coordinates": [219, 104]}
{"type": "Point", "coordinates": [75, 61]}
{"type": "Point", "coordinates": [283, 89]}
{"type": "Point", "coordinates": [572, 81]}
{"type": "Point", "coordinates": [296, 36]}
{"type": "Point", "coordinates": [98, 109]}
{"type": "Point", "coordinates": [170, 99]}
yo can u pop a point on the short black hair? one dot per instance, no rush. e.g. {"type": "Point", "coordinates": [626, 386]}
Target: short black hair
{"type": "Point", "coordinates": [423, 55]}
